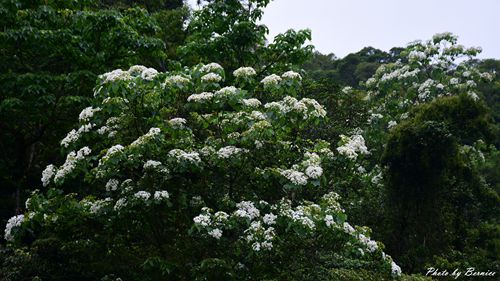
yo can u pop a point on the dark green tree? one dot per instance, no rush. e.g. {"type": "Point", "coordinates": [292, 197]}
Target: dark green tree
{"type": "Point", "coordinates": [436, 193]}
{"type": "Point", "coordinates": [228, 32]}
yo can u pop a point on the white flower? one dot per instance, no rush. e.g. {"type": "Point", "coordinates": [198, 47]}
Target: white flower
{"type": "Point", "coordinates": [151, 164]}
{"type": "Point", "coordinates": [151, 134]}
{"type": "Point", "coordinates": [226, 92]}
{"type": "Point", "coordinates": [115, 75]}
{"type": "Point", "coordinates": [473, 95]}
{"type": "Point", "coordinates": [13, 222]}
{"type": "Point", "coordinates": [136, 70]}
{"type": "Point", "coordinates": [221, 217]}
{"type": "Point", "coordinates": [211, 78]}
{"type": "Point", "coordinates": [395, 269]}
{"type": "Point", "coordinates": [96, 206]}
{"type": "Point", "coordinates": [270, 219]}
{"type": "Point", "coordinates": [120, 203]}
{"type": "Point", "coordinates": [178, 122]}
{"type": "Point", "coordinates": [161, 194]}
{"type": "Point", "coordinates": [149, 74]}
{"type": "Point", "coordinates": [314, 172]}
{"type": "Point", "coordinates": [203, 97]}
{"type": "Point", "coordinates": [416, 56]}
{"type": "Point", "coordinates": [244, 72]}
{"type": "Point", "coordinates": [112, 150]}
{"type": "Point", "coordinates": [391, 124]}
{"type": "Point", "coordinates": [181, 155]}
{"type": "Point", "coordinates": [348, 228]}
{"type": "Point", "coordinates": [372, 246]}
{"type": "Point", "coordinates": [144, 195]}
{"type": "Point", "coordinates": [352, 146]}
{"type": "Point", "coordinates": [471, 83]}
{"type": "Point", "coordinates": [87, 113]}
{"type": "Point", "coordinates": [441, 36]}
{"type": "Point", "coordinates": [251, 102]}
{"type": "Point", "coordinates": [272, 79]}
{"type": "Point", "coordinates": [203, 220]}
{"type": "Point", "coordinates": [454, 81]}
{"type": "Point", "coordinates": [256, 246]}
{"type": "Point", "coordinates": [291, 75]}
{"type": "Point", "coordinates": [329, 220]}
{"type": "Point", "coordinates": [48, 174]}
{"type": "Point", "coordinates": [246, 209]}
{"type": "Point", "coordinates": [215, 233]}
{"type": "Point", "coordinates": [177, 79]}
{"type": "Point", "coordinates": [211, 67]}
{"type": "Point", "coordinates": [295, 177]}
{"type": "Point", "coordinates": [72, 159]}
{"type": "Point", "coordinates": [486, 76]}
{"type": "Point", "coordinates": [347, 90]}
{"type": "Point", "coordinates": [71, 137]}
{"type": "Point", "coordinates": [112, 185]}
{"type": "Point", "coordinates": [228, 151]}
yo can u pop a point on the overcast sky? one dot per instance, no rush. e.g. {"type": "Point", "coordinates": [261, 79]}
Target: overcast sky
{"type": "Point", "coordinates": [343, 27]}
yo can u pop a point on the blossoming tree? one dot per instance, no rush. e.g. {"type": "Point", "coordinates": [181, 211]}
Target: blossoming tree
{"type": "Point", "coordinates": [179, 176]}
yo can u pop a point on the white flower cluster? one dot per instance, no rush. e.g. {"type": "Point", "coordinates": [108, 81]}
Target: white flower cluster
{"type": "Point", "coordinates": [149, 74]}
{"type": "Point", "coordinates": [352, 146]}
{"type": "Point", "coordinates": [111, 127]}
{"type": "Point", "coordinates": [246, 209]}
{"type": "Point", "coordinates": [136, 70]}
{"type": "Point", "coordinates": [177, 80]}
{"type": "Point", "coordinates": [424, 90]}
{"type": "Point", "coordinates": [115, 75]}
{"type": "Point", "coordinates": [142, 195]}
{"type": "Point", "coordinates": [69, 165]}
{"type": "Point", "coordinates": [271, 80]}
{"type": "Point", "coordinates": [261, 231]}
{"type": "Point", "coordinates": [145, 73]}
{"type": "Point", "coordinates": [178, 122]}
{"type": "Point", "coordinates": [443, 36]}
{"type": "Point", "coordinates": [398, 74]}
{"type": "Point", "coordinates": [47, 174]}
{"type": "Point", "coordinates": [253, 103]}
{"type": "Point", "coordinates": [110, 152]}
{"type": "Point", "coordinates": [151, 134]}
{"type": "Point", "coordinates": [395, 269]}
{"type": "Point", "coordinates": [306, 106]}
{"type": "Point", "coordinates": [96, 206]}
{"type": "Point", "coordinates": [292, 75]}
{"type": "Point", "coordinates": [151, 164]}
{"type": "Point", "coordinates": [260, 237]}
{"type": "Point", "coordinates": [74, 135]}
{"type": "Point", "coordinates": [203, 220]}
{"type": "Point", "coordinates": [160, 195]}
{"type": "Point", "coordinates": [226, 92]}
{"type": "Point", "coordinates": [296, 177]}
{"type": "Point", "coordinates": [211, 67]}
{"type": "Point", "coordinates": [203, 97]}
{"type": "Point", "coordinates": [211, 78]}
{"type": "Point", "coordinates": [229, 151]}
{"type": "Point", "coordinates": [244, 72]}
{"type": "Point", "coordinates": [215, 233]}
{"type": "Point", "coordinates": [186, 157]}
{"type": "Point", "coordinates": [391, 124]}
{"type": "Point", "coordinates": [314, 172]}
{"type": "Point", "coordinates": [87, 113]}
{"type": "Point", "coordinates": [416, 56]}
{"type": "Point", "coordinates": [112, 185]}
{"type": "Point", "coordinates": [374, 116]}
{"type": "Point", "coordinates": [13, 222]}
